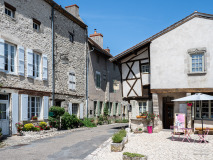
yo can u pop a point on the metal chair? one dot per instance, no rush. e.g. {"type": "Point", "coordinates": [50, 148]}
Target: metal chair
{"type": "Point", "coordinates": [174, 133]}
{"type": "Point", "coordinates": [203, 136]}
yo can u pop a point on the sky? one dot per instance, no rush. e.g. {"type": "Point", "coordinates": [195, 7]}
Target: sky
{"type": "Point", "coordinates": [124, 23]}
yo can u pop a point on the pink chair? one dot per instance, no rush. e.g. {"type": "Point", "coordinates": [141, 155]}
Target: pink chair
{"type": "Point", "coordinates": [174, 133]}
{"type": "Point", "coordinates": [203, 136]}
{"type": "Point", "coordinates": [187, 132]}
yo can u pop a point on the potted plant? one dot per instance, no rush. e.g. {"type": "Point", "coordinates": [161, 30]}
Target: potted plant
{"type": "Point", "coordinates": [118, 141]}
{"type": "Point", "coordinates": [144, 115]}
{"type": "Point", "coordinates": [19, 127]}
{"type": "Point", "coordinates": [150, 118]}
{"type": "Point", "coordinates": [189, 104]}
{"type": "Point", "coordinates": [35, 118]}
{"type": "Point", "coordinates": [138, 130]}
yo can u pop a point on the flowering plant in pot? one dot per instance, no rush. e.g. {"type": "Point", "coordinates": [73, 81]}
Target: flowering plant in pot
{"type": "Point", "coordinates": [189, 104]}
{"type": "Point", "coordinates": [149, 118]}
{"type": "Point", "coordinates": [34, 117]}
{"type": "Point", "coordinates": [19, 127]}
{"type": "Point", "coordinates": [144, 115]}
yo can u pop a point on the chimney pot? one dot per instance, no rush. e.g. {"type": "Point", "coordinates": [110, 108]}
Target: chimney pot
{"type": "Point", "coordinates": [108, 50]}
{"type": "Point", "coordinates": [97, 37]}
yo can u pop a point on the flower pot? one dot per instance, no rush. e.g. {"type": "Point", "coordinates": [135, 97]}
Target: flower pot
{"type": "Point", "coordinates": [149, 129]}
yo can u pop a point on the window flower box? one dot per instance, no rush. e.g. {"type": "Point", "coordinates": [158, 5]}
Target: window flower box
{"type": "Point", "coordinates": [35, 118]}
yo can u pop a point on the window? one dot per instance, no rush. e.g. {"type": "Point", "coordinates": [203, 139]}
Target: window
{"type": "Point", "coordinates": [115, 86]}
{"type": "Point", "coordinates": [36, 24]}
{"type": "Point", "coordinates": [3, 109]}
{"type": "Point", "coordinates": [75, 109]}
{"type": "Point", "coordinates": [197, 61]}
{"type": "Point", "coordinates": [34, 107]}
{"type": "Point", "coordinates": [98, 79]}
{"type": "Point", "coordinates": [9, 10]}
{"type": "Point", "coordinates": [143, 107]}
{"type": "Point", "coordinates": [72, 80]}
{"type": "Point", "coordinates": [145, 68]}
{"type": "Point", "coordinates": [205, 111]}
{"type": "Point", "coordinates": [3, 97]}
{"type": "Point", "coordinates": [9, 58]}
{"type": "Point", "coordinates": [36, 65]}
{"type": "Point", "coordinates": [71, 36]}
{"type": "Point", "coordinates": [95, 105]}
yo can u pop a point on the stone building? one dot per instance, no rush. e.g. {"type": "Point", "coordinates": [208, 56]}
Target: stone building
{"type": "Point", "coordinates": [180, 59]}
{"type": "Point", "coordinates": [26, 40]}
{"type": "Point", "coordinates": [104, 89]}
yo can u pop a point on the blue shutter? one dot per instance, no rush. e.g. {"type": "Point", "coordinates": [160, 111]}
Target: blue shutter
{"type": "Point", "coordinates": [46, 106]}
{"type": "Point", "coordinates": [2, 55]}
{"type": "Point", "coordinates": [14, 112]}
{"type": "Point", "coordinates": [81, 111]}
{"type": "Point", "coordinates": [21, 60]}
{"type": "Point", "coordinates": [29, 63]}
{"type": "Point", "coordinates": [24, 107]}
{"type": "Point", "coordinates": [45, 67]}
{"type": "Point", "coordinates": [70, 108]}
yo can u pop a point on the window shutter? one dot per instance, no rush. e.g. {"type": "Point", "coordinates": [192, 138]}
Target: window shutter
{"type": "Point", "coordinates": [119, 108]}
{"type": "Point", "coordinates": [81, 111]}
{"type": "Point", "coordinates": [70, 80]}
{"type": "Point", "coordinates": [14, 112]}
{"type": "Point", "coordinates": [24, 107]}
{"type": "Point", "coordinates": [46, 106]}
{"type": "Point", "coordinates": [45, 67]}
{"type": "Point", "coordinates": [114, 109]}
{"type": "Point", "coordinates": [21, 60]}
{"type": "Point", "coordinates": [70, 108]}
{"type": "Point", "coordinates": [74, 80]}
{"type": "Point", "coordinates": [1, 55]}
{"type": "Point", "coordinates": [98, 105]}
{"type": "Point", "coordinates": [29, 63]}
{"type": "Point", "coordinates": [150, 108]}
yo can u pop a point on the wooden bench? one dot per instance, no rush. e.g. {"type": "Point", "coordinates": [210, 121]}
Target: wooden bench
{"type": "Point", "coordinates": [199, 130]}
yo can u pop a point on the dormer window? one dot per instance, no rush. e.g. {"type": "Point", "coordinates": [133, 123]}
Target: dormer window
{"type": "Point", "coordinates": [9, 10]}
{"type": "Point", "coordinates": [36, 24]}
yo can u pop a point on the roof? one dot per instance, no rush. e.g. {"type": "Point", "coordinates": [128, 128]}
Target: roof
{"type": "Point", "coordinates": [98, 48]}
{"type": "Point", "coordinates": [65, 13]}
{"type": "Point", "coordinates": [148, 40]}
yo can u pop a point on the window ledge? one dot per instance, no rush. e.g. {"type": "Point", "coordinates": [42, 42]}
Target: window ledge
{"type": "Point", "coordinates": [196, 73]}
{"type": "Point", "coordinates": [205, 119]}
{"type": "Point", "coordinates": [13, 19]}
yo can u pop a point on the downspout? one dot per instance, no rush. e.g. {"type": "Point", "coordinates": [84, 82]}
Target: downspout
{"type": "Point", "coordinates": [53, 58]}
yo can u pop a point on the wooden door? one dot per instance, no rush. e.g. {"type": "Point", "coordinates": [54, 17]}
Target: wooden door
{"type": "Point", "coordinates": [168, 115]}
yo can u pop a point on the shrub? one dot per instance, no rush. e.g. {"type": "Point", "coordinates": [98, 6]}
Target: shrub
{"type": "Point", "coordinates": [36, 128]}
{"type": "Point", "coordinates": [125, 121]}
{"type": "Point", "coordinates": [140, 129]}
{"type": "Point", "coordinates": [117, 138]}
{"type": "Point", "coordinates": [57, 111]}
{"type": "Point", "coordinates": [101, 118]}
{"type": "Point", "coordinates": [43, 125]}
{"type": "Point", "coordinates": [122, 132]}
{"type": "Point", "coordinates": [69, 121]}
{"type": "Point", "coordinates": [54, 122]}
{"type": "Point", "coordinates": [88, 123]}
{"type": "Point", "coordinates": [133, 154]}
{"type": "Point", "coordinates": [106, 112]}
{"type": "Point", "coordinates": [100, 122]}
{"type": "Point", "coordinates": [47, 128]}
{"type": "Point", "coordinates": [121, 121]}
{"type": "Point", "coordinates": [0, 131]}
{"type": "Point", "coordinates": [29, 127]}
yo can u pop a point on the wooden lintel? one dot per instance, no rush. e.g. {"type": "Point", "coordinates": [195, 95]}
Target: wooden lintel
{"type": "Point", "coordinates": [185, 90]}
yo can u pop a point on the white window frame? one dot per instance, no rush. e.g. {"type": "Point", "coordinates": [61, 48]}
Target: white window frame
{"type": "Point", "coordinates": [7, 10]}
{"type": "Point", "coordinates": [145, 68]}
{"type": "Point", "coordinates": [97, 73]}
{"type": "Point", "coordinates": [37, 109]}
{"type": "Point", "coordinates": [198, 110]}
{"type": "Point", "coordinates": [75, 108]}
{"type": "Point", "coordinates": [36, 66]}
{"type": "Point", "coordinates": [34, 26]}
{"type": "Point", "coordinates": [198, 59]}
{"type": "Point", "coordinates": [9, 58]}
{"type": "Point", "coordinates": [72, 80]}
{"type": "Point", "coordinates": [141, 108]}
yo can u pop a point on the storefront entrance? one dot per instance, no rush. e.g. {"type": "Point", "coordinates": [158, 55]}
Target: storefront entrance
{"type": "Point", "coordinates": [4, 114]}
{"type": "Point", "coordinates": [168, 112]}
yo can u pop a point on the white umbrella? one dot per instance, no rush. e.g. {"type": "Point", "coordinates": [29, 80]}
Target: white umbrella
{"type": "Point", "coordinates": [196, 97]}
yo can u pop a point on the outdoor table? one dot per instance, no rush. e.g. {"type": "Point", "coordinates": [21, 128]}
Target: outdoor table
{"type": "Point", "coordinates": [187, 132]}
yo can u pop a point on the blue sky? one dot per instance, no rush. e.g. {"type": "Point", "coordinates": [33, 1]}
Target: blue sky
{"type": "Point", "coordinates": [125, 23]}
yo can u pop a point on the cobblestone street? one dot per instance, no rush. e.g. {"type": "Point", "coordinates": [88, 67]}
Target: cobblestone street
{"type": "Point", "coordinates": [158, 146]}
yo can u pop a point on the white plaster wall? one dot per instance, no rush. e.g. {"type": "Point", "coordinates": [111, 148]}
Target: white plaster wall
{"type": "Point", "coordinates": [169, 63]}
{"type": "Point", "coordinates": [146, 79]}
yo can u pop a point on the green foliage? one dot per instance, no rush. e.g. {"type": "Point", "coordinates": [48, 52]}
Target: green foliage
{"type": "Point", "coordinates": [54, 122]}
{"type": "Point", "coordinates": [47, 128]}
{"type": "Point", "coordinates": [117, 138]}
{"type": "Point", "coordinates": [57, 111]}
{"type": "Point", "coordinates": [106, 113]}
{"type": "Point", "coordinates": [0, 131]}
{"type": "Point", "coordinates": [122, 132]}
{"type": "Point", "coordinates": [121, 121]}
{"type": "Point", "coordinates": [87, 123]}
{"type": "Point", "coordinates": [100, 118]}
{"type": "Point", "coordinates": [43, 125]}
{"type": "Point", "coordinates": [28, 127]}
{"type": "Point", "coordinates": [133, 154]}
{"type": "Point", "coordinates": [70, 121]}
{"type": "Point", "coordinates": [36, 129]}
{"type": "Point", "coordinates": [140, 129]}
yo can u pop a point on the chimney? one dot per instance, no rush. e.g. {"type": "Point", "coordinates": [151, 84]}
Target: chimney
{"type": "Point", "coordinates": [108, 50]}
{"type": "Point", "coordinates": [74, 10]}
{"type": "Point", "coordinates": [98, 38]}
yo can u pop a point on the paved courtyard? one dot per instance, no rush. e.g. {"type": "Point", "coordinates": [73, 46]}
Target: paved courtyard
{"type": "Point", "coordinates": [158, 146]}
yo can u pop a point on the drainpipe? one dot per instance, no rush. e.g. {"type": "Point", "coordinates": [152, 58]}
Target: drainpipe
{"type": "Point", "coordinates": [87, 77]}
{"type": "Point", "coordinates": [53, 60]}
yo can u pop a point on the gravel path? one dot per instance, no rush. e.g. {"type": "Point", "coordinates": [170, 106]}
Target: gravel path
{"type": "Point", "coordinates": [158, 146]}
